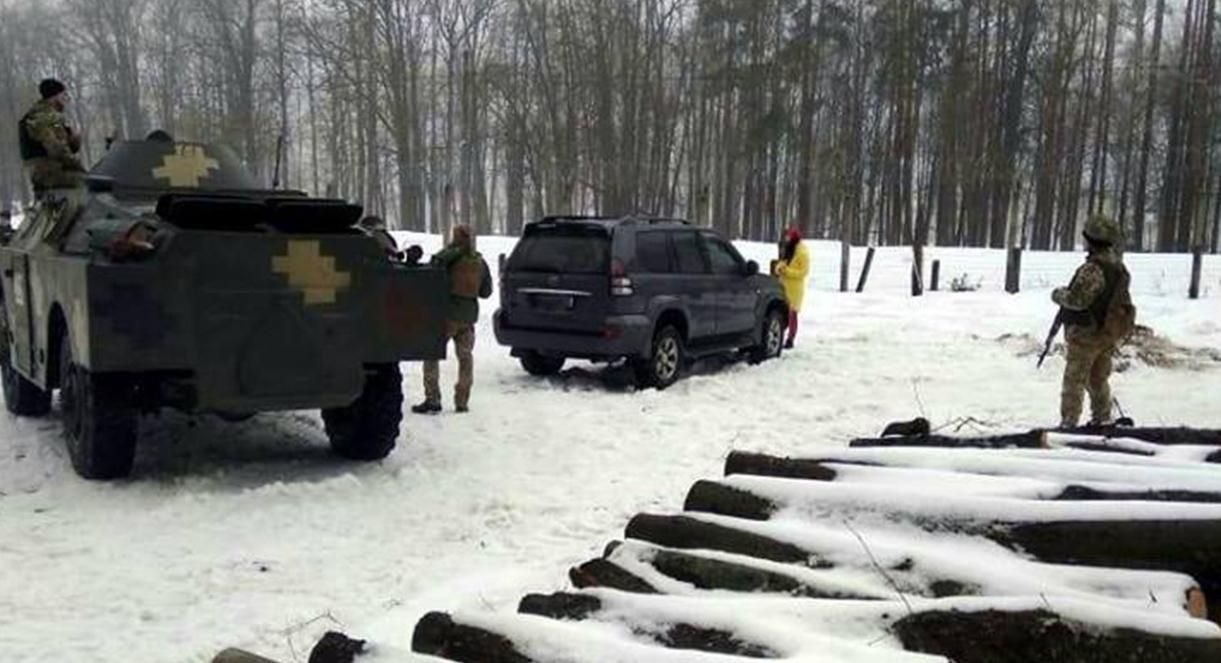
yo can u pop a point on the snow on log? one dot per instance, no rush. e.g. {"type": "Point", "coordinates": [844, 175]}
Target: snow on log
{"type": "Point", "coordinates": [523, 638]}
{"type": "Point", "coordinates": [1179, 537]}
{"type": "Point", "coordinates": [688, 533]}
{"type": "Point", "coordinates": [565, 605]}
{"type": "Point", "coordinates": [1041, 635]}
{"type": "Point", "coordinates": [966, 630]}
{"type": "Point", "coordinates": [603, 573]}
{"type": "Point", "coordinates": [1028, 440]}
{"type": "Point", "coordinates": [1180, 452]}
{"type": "Point", "coordinates": [232, 655]}
{"type": "Point", "coordinates": [1067, 466]}
{"type": "Point", "coordinates": [882, 562]}
{"type": "Point", "coordinates": [439, 635]}
{"type": "Point", "coordinates": [677, 572]}
{"type": "Point", "coordinates": [1172, 436]}
{"type": "Point", "coordinates": [964, 483]}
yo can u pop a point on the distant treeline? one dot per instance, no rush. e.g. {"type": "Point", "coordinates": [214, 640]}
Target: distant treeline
{"type": "Point", "coordinates": [954, 122]}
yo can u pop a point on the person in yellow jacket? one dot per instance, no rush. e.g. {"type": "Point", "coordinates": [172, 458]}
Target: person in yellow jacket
{"type": "Point", "coordinates": [792, 270]}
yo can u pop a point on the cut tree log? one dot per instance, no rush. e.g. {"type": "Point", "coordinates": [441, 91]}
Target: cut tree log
{"type": "Point", "coordinates": [1020, 637]}
{"type": "Point", "coordinates": [688, 533]}
{"type": "Point", "coordinates": [603, 573]}
{"type": "Point", "coordinates": [233, 655]}
{"type": "Point", "coordinates": [816, 470]}
{"type": "Point", "coordinates": [705, 572]}
{"type": "Point", "coordinates": [439, 635]}
{"type": "Point", "coordinates": [563, 605]}
{"type": "Point", "coordinates": [1068, 467]}
{"type": "Point", "coordinates": [1030, 440]}
{"type": "Point", "coordinates": [1181, 435]}
{"type": "Point", "coordinates": [1191, 546]}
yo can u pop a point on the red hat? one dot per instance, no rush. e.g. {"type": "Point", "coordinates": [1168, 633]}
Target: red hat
{"type": "Point", "coordinates": [792, 234]}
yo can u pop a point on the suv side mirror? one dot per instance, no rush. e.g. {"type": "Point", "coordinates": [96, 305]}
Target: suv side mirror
{"type": "Point", "coordinates": [751, 268]}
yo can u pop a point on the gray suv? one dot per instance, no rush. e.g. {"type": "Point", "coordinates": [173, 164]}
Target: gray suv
{"type": "Point", "coordinates": [657, 292]}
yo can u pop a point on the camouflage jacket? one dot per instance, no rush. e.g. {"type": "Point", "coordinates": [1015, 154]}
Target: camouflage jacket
{"type": "Point", "coordinates": [47, 130]}
{"type": "Point", "coordinates": [463, 309]}
{"type": "Point", "coordinates": [1088, 285]}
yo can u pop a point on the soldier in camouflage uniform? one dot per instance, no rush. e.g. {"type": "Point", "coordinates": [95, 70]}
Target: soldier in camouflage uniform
{"type": "Point", "coordinates": [48, 144]}
{"type": "Point", "coordinates": [1096, 309]}
{"type": "Point", "coordinates": [470, 281]}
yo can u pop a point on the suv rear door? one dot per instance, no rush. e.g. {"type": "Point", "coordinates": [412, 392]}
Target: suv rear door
{"type": "Point", "coordinates": [736, 294]}
{"type": "Point", "coordinates": [558, 278]}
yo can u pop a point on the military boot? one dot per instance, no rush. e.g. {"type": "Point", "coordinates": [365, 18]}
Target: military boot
{"type": "Point", "coordinates": [427, 407]}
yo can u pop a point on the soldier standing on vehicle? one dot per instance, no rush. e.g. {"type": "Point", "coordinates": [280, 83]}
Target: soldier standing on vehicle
{"type": "Point", "coordinates": [376, 228]}
{"type": "Point", "coordinates": [792, 270]}
{"type": "Point", "coordinates": [470, 280]}
{"type": "Point", "coordinates": [48, 145]}
{"type": "Point", "coordinates": [1096, 309]}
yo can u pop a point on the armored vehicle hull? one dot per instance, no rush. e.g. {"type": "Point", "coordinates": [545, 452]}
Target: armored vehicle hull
{"type": "Point", "coordinates": [133, 297]}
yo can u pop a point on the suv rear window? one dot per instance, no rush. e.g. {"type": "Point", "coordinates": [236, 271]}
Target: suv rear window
{"type": "Point", "coordinates": [562, 250]}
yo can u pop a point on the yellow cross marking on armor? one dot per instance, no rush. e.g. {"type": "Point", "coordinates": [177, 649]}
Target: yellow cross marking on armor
{"type": "Point", "coordinates": [311, 272]}
{"type": "Point", "coordinates": [186, 166]}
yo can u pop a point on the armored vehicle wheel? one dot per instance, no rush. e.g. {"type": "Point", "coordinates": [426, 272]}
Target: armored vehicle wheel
{"type": "Point", "coordinates": [664, 366]}
{"type": "Point", "coordinates": [99, 417]}
{"type": "Point", "coordinates": [772, 339]}
{"type": "Point", "coordinates": [542, 365]}
{"type": "Point", "coordinates": [368, 428]}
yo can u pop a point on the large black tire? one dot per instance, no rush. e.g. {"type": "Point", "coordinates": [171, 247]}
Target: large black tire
{"type": "Point", "coordinates": [21, 396]}
{"type": "Point", "coordinates": [771, 337]}
{"type": "Point", "coordinates": [100, 420]}
{"type": "Point", "coordinates": [541, 365]}
{"type": "Point", "coordinates": [665, 364]}
{"type": "Point", "coordinates": [368, 428]}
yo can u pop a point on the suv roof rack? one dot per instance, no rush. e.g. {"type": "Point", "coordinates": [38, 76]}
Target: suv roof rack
{"type": "Point", "coordinates": [621, 219]}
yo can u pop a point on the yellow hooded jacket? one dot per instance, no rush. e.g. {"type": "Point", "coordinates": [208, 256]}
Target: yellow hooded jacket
{"type": "Point", "coordinates": [792, 275]}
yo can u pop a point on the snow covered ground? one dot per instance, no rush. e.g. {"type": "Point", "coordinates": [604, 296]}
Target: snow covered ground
{"type": "Point", "coordinates": [252, 535]}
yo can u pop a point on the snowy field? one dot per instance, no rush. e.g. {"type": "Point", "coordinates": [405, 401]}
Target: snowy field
{"type": "Point", "coordinates": [253, 535]}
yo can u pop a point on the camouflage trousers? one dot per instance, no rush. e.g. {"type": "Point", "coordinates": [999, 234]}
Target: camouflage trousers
{"type": "Point", "coordinates": [1087, 369]}
{"type": "Point", "coordinates": [463, 335]}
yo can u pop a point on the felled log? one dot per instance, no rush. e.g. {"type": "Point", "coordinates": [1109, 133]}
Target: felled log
{"type": "Point", "coordinates": [1184, 453]}
{"type": "Point", "coordinates": [1189, 546]}
{"type": "Point", "coordinates": [740, 462]}
{"type": "Point", "coordinates": [705, 573]}
{"type": "Point", "coordinates": [1181, 435]}
{"type": "Point", "coordinates": [1030, 440]}
{"type": "Point", "coordinates": [564, 605]}
{"type": "Point", "coordinates": [708, 573]}
{"type": "Point", "coordinates": [688, 533]}
{"type": "Point", "coordinates": [336, 647]}
{"type": "Point", "coordinates": [439, 635]}
{"type": "Point", "coordinates": [1067, 467]}
{"type": "Point", "coordinates": [1039, 635]}
{"type": "Point", "coordinates": [820, 470]}
{"type": "Point", "coordinates": [233, 655]}
{"type": "Point", "coordinates": [603, 573]}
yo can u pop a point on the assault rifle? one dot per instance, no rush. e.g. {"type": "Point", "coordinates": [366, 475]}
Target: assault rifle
{"type": "Point", "coordinates": [1051, 336]}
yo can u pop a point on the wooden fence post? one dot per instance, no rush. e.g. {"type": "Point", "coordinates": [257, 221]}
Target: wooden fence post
{"type": "Point", "coordinates": [936, 276]}
{"type": "Point", "coordinates": [1013, 271]}
{"type": "Point", "coordinates": [860, 285]}
{"type": "Point", "coordinates": [845, 259]}
{"type": "Point", "coordinates": [917, 270]}
{"type": "Point", "coordinates": [1197, 266]}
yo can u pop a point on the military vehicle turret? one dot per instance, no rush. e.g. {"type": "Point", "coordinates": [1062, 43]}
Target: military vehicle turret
{"type": "Point", "coordinates": [174, 281]}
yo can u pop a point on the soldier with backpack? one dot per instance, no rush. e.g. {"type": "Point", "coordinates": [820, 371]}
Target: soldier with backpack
{"type": "Point", "coordinates": [470, 281]}
{"type": "Point", "coordinates": [1097, 312]}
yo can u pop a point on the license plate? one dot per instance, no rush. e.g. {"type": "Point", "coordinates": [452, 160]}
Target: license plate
{"type": "Point", "coordinates": [552, 303]}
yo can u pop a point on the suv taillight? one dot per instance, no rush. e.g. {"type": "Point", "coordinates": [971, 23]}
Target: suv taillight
{"type": "Point", "coordinates": [620, 284]}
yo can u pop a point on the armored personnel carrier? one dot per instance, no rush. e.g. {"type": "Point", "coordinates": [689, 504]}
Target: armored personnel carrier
{"type": "Point", "coordinates": [174, 281]}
